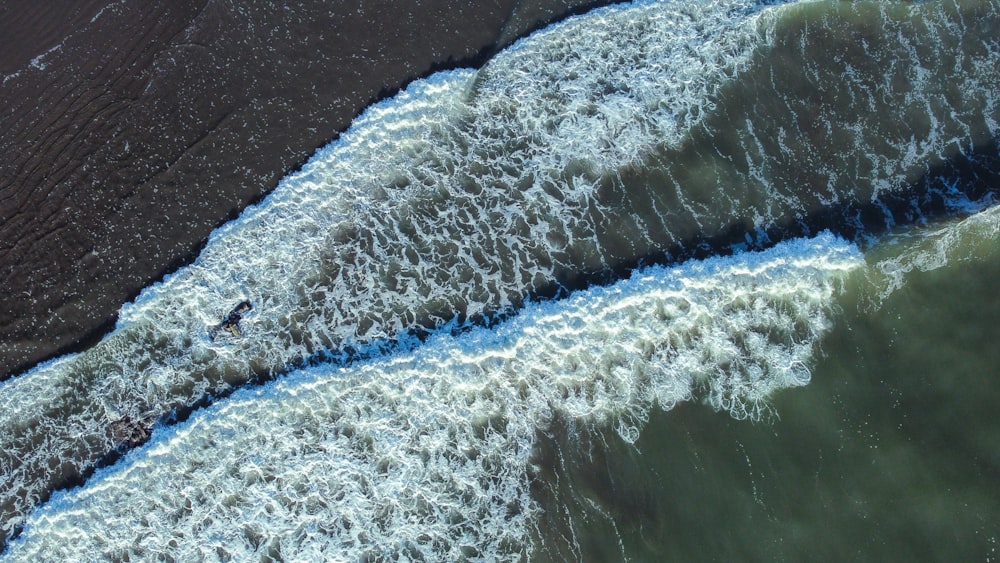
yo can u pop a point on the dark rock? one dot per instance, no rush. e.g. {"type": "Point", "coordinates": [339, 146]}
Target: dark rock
{"type": "Point", "coordinates": [231, 323]}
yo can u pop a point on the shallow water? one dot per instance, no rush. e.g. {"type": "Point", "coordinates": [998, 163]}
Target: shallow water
{"type": "Point", "coordinates": [457, 347]}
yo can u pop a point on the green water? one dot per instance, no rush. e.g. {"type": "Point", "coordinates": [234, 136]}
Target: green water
{"type": "Point", "coordinates": [853, 116]}
{"type": "Point", "coordinates": [891, 453]}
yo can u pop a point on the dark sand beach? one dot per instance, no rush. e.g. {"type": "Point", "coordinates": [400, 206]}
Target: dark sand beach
{"type": "Point", "coordinates": [672, 280]}
{"type": "Point", "coordinates": [129, 131]}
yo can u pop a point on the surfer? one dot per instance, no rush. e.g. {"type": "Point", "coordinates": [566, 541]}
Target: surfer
{"type": "Point", "coordinates": [231, 323]}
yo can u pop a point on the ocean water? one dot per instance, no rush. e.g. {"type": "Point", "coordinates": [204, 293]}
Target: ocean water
{"type": "Point", "coordinates": [889, 453]}
{"type": "Point", "coordinates": [555, 309]}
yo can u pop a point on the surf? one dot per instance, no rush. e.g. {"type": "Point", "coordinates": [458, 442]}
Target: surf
{"type": "Point", "coordinates": [649, 133]}
{"type": "Point", "coordinates": [430, 453]}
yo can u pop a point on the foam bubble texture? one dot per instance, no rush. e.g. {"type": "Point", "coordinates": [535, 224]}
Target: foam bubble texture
{"type": "Point", "coordinates": [428, 454]}
{"type": "Point", "coordinates": [454, 201]}
{"type": "Point", "coordinates": [933, 247]}
{"type": "Point", "coordinates": [598, 144]}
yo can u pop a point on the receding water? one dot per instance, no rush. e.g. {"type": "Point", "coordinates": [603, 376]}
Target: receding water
{"type": "Point", "coordinates": [668, 280]}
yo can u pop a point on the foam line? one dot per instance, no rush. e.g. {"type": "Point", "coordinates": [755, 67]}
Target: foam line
{"type": "Point", "coordinates": [429, 453]}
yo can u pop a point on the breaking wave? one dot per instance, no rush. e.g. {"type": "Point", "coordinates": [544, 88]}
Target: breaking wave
{"type": "Point", "coordinates": [648, 133]}
{"type": "Point", "coordinates": [428, 454]}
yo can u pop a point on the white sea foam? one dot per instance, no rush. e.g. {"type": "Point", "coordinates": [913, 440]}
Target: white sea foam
{"type": "Point", "coordinates": [457, 199]}
{"type": "Point", "coordinates": [932, 247]}
{"type": "Point", "coordinates": [461, 178]}
{"type": "Point", "coordinates": [429, 453]}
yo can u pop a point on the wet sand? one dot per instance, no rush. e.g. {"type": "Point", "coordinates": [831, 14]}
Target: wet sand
{"type": "Point", "coordinates": [129, 131]}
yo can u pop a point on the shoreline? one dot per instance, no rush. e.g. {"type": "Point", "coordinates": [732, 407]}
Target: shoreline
{"type": "Point", "coordinates": [130, 139]}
